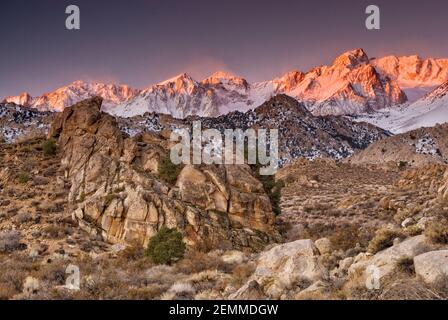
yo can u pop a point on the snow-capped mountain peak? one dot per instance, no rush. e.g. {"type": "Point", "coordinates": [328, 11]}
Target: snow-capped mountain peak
{"type": "Point", "coordinates": [351, 58]}
{"type": "Point", "coordinates": [288, 81]}
{"type": "Point", "coordinates": [24, 99]}
{"type": "Point", "coordinates": [226, 79]}
{"type": "Point", "coordinates": [353, 84]}
{"type": "Point", "coordinates": [74, 92]}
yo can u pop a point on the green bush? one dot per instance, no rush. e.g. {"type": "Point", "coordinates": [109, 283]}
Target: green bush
{"type": "Point", "coordinates": [168, 171]}
{"type": "Point", "coordinates": [49, 147]}
{"type": "Point", "coordinates": [273, 189]}
{"type": "Point", "coordinates": [23, 177]}
{"type": "Point", "coordinates": [166, 246]}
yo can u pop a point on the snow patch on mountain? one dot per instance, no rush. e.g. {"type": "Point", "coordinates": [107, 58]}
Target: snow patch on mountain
{"type": "Point", "coordinates": [428, 111]}
{"type": "Point", "coordinates": [18, 122]}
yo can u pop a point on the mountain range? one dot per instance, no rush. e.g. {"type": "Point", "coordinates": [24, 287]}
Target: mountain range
{"type": "Point", "coordinates": [390, 92]}
{"type": "Point", "coordinates": [352, 84]}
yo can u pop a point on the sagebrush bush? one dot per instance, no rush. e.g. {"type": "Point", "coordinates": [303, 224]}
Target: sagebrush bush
{"type": "Point", "coordinates": [9, 241]}
{"type": "Point", "coordinates": [437, 232]}
{"type": "Point", "coordinates": [49, 147]}
{"type": "Point", "coordinates": [166, 246]}
{"type": "Point", "coordinates": [168, 171]}
{"type": "Point", "coordinates": [383, 239]}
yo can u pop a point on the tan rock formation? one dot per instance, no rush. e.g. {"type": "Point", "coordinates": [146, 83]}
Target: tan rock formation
{"type": "Point", "coordinates": [116, 191]}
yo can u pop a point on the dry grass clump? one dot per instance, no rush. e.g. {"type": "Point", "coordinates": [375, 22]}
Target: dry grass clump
{"type": "Point", "coordinates": [56, 231]}
{"type": "Point", "coordinates": [9, 241]}
{"type": "Point", "coordinates": [437, 232]}
{"type": "Point", "coordinates": [411, 288]}
{"type": "Point", "coordinates": [396, 286]}
{"type": "Point", "coordinates": [348, 235]}
{"type": "Point", "coordinates": [383, 239]}
{"type": "Point", "coordinates": [242, 272]}
{"type": "Point", "coordinates": [342, 236]}
{"type": "Point", "coordinates": [195, 262]}
{"type": "Point", "coordinates": [413, 231]}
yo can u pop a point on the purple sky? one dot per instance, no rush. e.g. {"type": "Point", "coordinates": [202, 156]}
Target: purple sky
{"type": "Point", "coordinates": [142, 42]}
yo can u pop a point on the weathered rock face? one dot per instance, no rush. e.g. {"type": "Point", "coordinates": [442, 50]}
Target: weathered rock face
{"type": "Point", "coordinates": [443, 190]}
{"type": "Point", "coordinates": [116, 191]}
{"type": "Point", "coordinates": [432, 266]}
{"type": "Point", "coordinates": [284, 266]}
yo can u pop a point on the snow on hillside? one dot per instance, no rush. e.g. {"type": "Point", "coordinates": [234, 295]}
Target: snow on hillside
{"type": "Point", "coordinates": [415, 75]}
{"type": "Point", "coordinates": [428, 111]}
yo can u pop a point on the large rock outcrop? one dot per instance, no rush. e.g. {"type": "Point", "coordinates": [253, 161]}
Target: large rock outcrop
{"type": "Point", "coordinates": [432, 267]}
{"type": "Point", "coordinates": [387, 260]}
{"type": "Point", "coordinates": [283, 267]}
{"type": "Point", "coordinates": [116, 191]}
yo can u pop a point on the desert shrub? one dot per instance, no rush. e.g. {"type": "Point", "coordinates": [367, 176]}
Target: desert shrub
{"type": "Point", "coordinates": [23, 177]}
{"type": "Point", "coordinates": [49, 147]}
{"type": "Point", "coordinates": [406, 265]}
{"type": "Point", "coordinates": [402, 214]}
{"type": "Point", "coordinates": [402, 164]}
{"type": "Point", "coordinates": [166, 246]}
{"type": "Point", "coordinates": [437, 232]}
{"type": "Point", "coordinates": [273, 189]}
{"type": "Point", "coordinates": [275, 196]}
{"type": "Point", "coordinates": [343, 236]}
{"type": "Point", "coordinates": [56, 231]}
{"type": "Point", "coordinates": [196, 261]}
{"type": "Point", "coordinates": [147, 293]}
{"type": "Point", "coordinates": [168, 171]}
{"type": "Point", "coordinates": [242, 272]}
{"type": "Point", "coordinates": [413, 231]}
{"type": "Point", "coordinates": [23, 217]}
{"type": "Point", "coordinates": [383, 239]}
{"type": "Point", "coordinates": [133, 252]}
{"type": "Point", "coordinates": [9, 241]}
{"type": "Point", "coordinates": [346, 236]}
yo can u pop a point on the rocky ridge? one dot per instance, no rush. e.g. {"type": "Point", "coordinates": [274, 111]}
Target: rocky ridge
{"type": "Point", "coordinates": [18, 122]}
{"type": "Point", "coordinates": [301, 134]}
{"type": "Point", "coordinates": [416, 147]}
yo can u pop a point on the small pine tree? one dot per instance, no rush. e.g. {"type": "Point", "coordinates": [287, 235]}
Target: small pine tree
{"type": "Point", "coordinates": [168, 171]}
{"type": "Point", "coordinates": [166, 246]}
